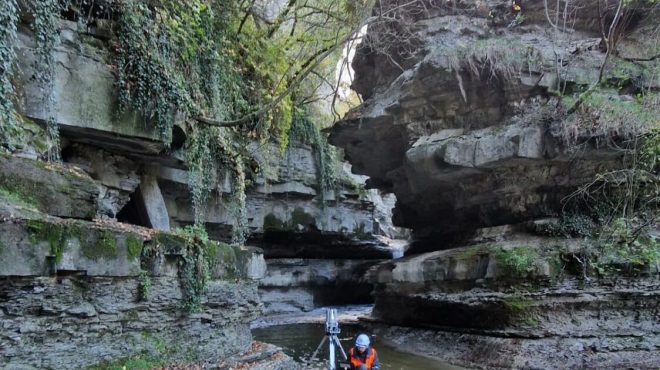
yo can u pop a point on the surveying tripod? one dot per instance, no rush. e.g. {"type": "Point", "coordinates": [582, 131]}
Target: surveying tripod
{"type": "Point", "coordinates": [331, 331]}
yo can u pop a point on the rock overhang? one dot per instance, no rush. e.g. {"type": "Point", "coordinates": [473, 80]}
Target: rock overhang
{"type": "Point", "coordinates": [465, 134]}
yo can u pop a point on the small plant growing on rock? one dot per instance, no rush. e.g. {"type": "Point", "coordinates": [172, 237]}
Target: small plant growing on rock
{"type": "Point", "coordinates": [571, 224]}
{"type": "Point", "coordinates": [518, 261]}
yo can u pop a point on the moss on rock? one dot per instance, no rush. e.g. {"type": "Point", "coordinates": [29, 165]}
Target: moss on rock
{"type": "Point", "coordinates": [517, 261]}
{"type": "Point", "coordinates": [299, 220]}
{"type": "Point", "coordinates": [222, 260]}
{"type": "Point", "coordinates": [18, 198]}
{"type": "Point", "coordinates": [53, 233]}
{"type": "Point", "coordinates": [105, 246]}
{"type": "Point", "coordinates": [272, 223]}
{"type": "Point", "coordinates": [134, 245]}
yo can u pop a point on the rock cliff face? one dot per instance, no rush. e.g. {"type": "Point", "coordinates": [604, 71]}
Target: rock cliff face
{"type": "Point", "coordinates": [78, 288]}
{"type": "Point", "coordinates": [470, 119]}
{"type": "Point", "coordinates": [136, 175]}
{"type": "Point", "coordinates": [74, 293]}
{"type": "Point", "coordinates": [464, 128]}
{"type": "Point", "coordinates": [473, 306]}
{"type": "Point", "coordinates": [292, 285]}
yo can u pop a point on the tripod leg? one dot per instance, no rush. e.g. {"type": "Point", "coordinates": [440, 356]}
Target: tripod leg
{"type": "Point", "coordinates": [332, 361]}
{"type": "Point", "coordinates": [317, 349]}
{"type": "Point", "coordinates": [338, 343]}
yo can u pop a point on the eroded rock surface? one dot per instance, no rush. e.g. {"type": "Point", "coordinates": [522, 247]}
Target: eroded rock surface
{"type": "Point", "coordinates": [518, 302]}
{"type": "Point", "coordinates": [465, 129]}
{"type": "Point", "coordinates": [76, 293]}
{"type": "Point", "coordinates": [468, 119]}
{"type": "Point", "coordinates": [73, 279]}
{"type": "Point", "coordinates": [294, 285]}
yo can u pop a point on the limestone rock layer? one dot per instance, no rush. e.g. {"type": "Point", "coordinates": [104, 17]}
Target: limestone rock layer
{"type": "Point", "coordinates": [462, 120]}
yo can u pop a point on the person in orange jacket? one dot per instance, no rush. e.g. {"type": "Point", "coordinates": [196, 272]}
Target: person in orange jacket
{"type": "Point", "coordinates": [362, 356]}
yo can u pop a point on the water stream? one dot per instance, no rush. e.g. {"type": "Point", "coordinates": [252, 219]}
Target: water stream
{"type": "Point", "coordinates": [300, 340]}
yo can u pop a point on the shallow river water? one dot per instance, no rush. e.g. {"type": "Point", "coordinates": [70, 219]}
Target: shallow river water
{"type": "Point", "coordinates": [300, 341]}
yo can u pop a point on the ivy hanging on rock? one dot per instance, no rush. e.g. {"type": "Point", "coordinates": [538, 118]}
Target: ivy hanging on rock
{"type": "Point", "coordinates": [8, 25]}
{"type": "Point", "coordinates": [45, 25]}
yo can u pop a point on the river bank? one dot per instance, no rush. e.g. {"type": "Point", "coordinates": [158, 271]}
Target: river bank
{"type": "Point", "coordinates": [300, 334]}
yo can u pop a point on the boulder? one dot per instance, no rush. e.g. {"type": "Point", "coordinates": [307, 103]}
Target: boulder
{"type": "Point", "coordinates": [52, 188]}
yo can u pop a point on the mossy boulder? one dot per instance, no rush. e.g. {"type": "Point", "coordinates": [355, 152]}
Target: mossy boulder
{"type": "Point", "coordinates": [52, 188]}
{"type": "Point", "coordinates": [45, 246]}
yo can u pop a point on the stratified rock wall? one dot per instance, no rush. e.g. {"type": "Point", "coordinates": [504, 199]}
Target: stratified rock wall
{"type": "Point", "coordinates": [466, 131]}
{"type": "Point", "coordinates": [518, 301]}
{"type": "Point", "coordinates": [75, 293]}
{"type": "Point", "coordinates": [468, 119]}
{"type": "Point", "coordinates": [292, 285]}
{"type": "Point", "coordinates": [73, 323]}
{"type": "Point", "coordinates": [78, 288]}
{"type": "Point", "coordinates": [130, 161]}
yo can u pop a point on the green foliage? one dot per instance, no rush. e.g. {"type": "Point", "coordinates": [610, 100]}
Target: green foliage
{"type": "Point", "coordinates": [521, 310]}
{"type": "Point", "coordinates": [222, 259]}
{"type": "Point", "coordinates": [201, 256]}
{"type": "Point", "coordinates": [94, 245]}
{"type": "Point", "coordinates": [471, 252]}
{"type": "Point", "coordinates": [144, 285]}
{"type": "Point", "coordinates": [55, 234]}
{"type": "Point", "coordinates": [569, 225]}
{"type": "Point", "coordinates": [499, 58]}
{"type": "Point", "coordinates": [177, 61]}
{"type": "Point", "coordinates": [134, 245]}
{"type": "Point", "coordinates": [518, 303]}
{"type": "Point", "coordinates": [148, 80]}
{"type": "Point", "coordinates": [19, 199]}
{"type": "Point", "coordinates": [300, 220]}
{"type": "Point", "coordinates": [206, 168]}
{"type": "Point", "coordinates": [304, 130]}
{"type": "Point", "coordinates": [139, 362]}
{"type": "Point", "coordinates": [45, 25]}
{"type": "Point", "coordinates": [193, 267]}
{"type": "Point", "coordinates": [8, 37]}
{"type": "Point", "coordinates": [623, 203]}
{"type": "Point", "coordinates": [604, 113]}
{"type": "Point", "coordinates": [518, 20]}
{"type": "Point", "coordinates": [360, 189]}
{"type": "Point", "coordinates": [624, 247]}
{"type": "Point", "coordinates": [105, 246]}
{"type": "Point", "coordinates": [518, 261]}
{"type": "Point", "coordinates": [359, 230]}
{"type": "Point", "coordinates": [47, 36]}
{"type": "Point", "coordinates": [272, 223]}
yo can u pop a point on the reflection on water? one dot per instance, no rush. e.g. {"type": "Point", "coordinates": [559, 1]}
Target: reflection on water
{"type": "Point", "coordinates": [300, 341]}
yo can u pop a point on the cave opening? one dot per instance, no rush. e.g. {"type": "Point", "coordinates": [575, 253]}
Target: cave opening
{"type": "Point", "coordinates": [135, 211]}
